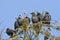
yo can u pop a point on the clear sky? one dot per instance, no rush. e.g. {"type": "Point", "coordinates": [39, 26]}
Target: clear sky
{"type": "Point", "coordinates": [10, 9]}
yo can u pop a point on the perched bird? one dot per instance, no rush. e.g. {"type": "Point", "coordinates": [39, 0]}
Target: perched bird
{"type": "Point", "coordinates": [40, 16]}
{"type": "Point", "coordinates": [28, 19]}
{"type": "Point", "coordinates": [47, 18]}
{"type": "Point", "coordinates": [26, 22]}
{"type": "Point", "coordinates": [18, 23]}
{"type": "Point", "coordinates": [10, 32]}
{"type": "Point", "coordinates": [34, 18]}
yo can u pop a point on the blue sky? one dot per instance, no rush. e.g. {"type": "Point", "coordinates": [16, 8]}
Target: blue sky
{"type": "Point", "coordinates": [10, 9]}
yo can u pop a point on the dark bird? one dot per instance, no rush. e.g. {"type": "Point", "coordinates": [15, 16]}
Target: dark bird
{"type": "Point", "coordinates": [47, 18]}
{"type": "Point", "coordinates": [40, 16]}
{"type": "Point", "coordinates": [18, 23]}
{"type": "Point", "coordinates": [34, 17]}
{"type": "Point", "coordinates": [10, 32]}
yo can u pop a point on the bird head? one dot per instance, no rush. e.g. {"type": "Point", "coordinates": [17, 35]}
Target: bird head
{"type": "Point", "coordinates": [47, 13]}
{"type": "Point", "coordinates": [38, 13]}
{"type": "Point", "coordinates": [7, 28]}
{"type": "Point", "coordinates": [33, 13]}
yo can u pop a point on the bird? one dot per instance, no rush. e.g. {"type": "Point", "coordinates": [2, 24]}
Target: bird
{"type": "Point", "coordinates": [28, 19]}
{"type": "Point", "coordinates": [34, 17]}
{"type": "Point", "coordinates": [10, 32]}
{"type": "Point", "coordinates": [18, 23]}
{"type": "Point", "coordinates": [40, 16]}
{"type": "Point", "coordinates": [47, 18]}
